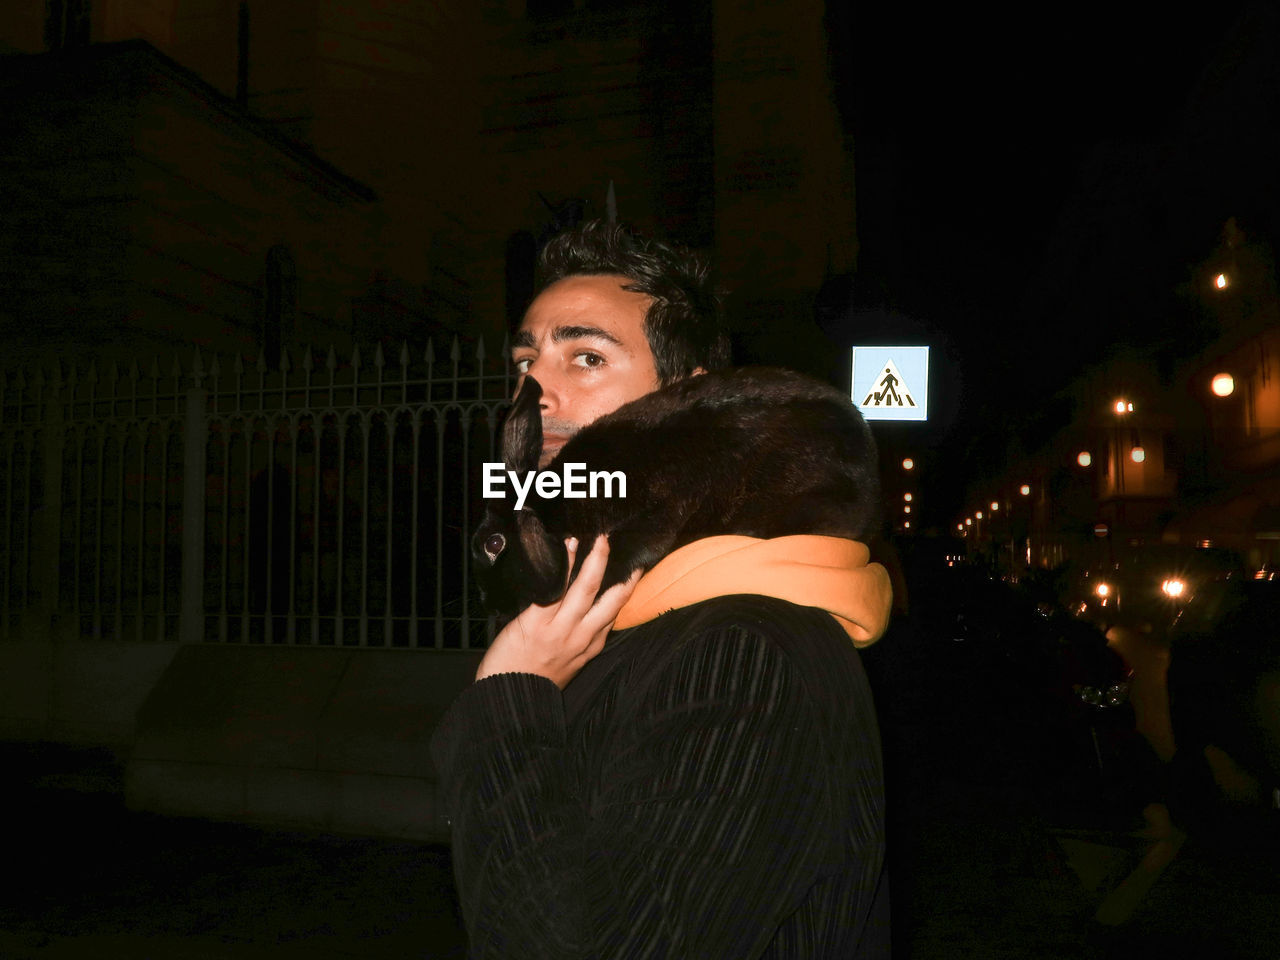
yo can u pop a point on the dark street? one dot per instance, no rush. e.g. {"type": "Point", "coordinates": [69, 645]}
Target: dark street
{"type": "Point", "coordinates": [1004, 843]}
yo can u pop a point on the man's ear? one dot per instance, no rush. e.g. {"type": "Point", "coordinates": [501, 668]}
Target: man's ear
{"type": "Point", "coordinates": [522, 433]}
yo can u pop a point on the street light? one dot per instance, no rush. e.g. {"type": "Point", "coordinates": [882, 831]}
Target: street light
{"type": "Point", "coordinates": [1137, 454]}
{"type": "Point", "coordinates": [1083, 458]}
{"type": "Point", "coordinates": [1123, 406]}
{"type": "Point", "coordinates": [908, 464]}
{"type": "Point", "coordinates": [906, 497]}
{"type": "Point", "coordinates": [994, 506]}
{"type": "Point", "coordinates": [1025, 489]}
{"type": "Point", "coordinates": [1223, 385]}
{"type": "Point", "coordinates": [1220, 281]}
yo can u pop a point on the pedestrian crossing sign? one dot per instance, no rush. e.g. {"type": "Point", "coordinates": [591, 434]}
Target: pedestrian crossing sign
{"type": "Point", "coordinates": [891, 383]}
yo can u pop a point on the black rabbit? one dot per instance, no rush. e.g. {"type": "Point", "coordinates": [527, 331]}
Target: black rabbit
{"type": "Point", "coordinates": [753, 451]}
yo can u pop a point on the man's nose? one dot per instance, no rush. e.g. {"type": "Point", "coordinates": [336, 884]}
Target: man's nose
{"type": "Point", "coordinates": [544, 373]}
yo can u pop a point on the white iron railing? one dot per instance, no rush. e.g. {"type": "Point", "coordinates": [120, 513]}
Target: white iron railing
{"type": "Point", "coordinates": [319, 503]}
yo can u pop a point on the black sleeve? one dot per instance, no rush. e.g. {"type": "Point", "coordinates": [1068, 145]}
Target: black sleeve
{"type": "Point", "coordinates": [710, 816]}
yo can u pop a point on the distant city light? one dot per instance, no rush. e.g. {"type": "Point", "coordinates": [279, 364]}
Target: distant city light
{"type": "Point", "coordinates": [906, 509]}
{"type": "Point", "coordinates": [1084, 459]}
{"type": "Point", "coordinates": [907, 524]}
{"type": "Point", "coordinates": [1173, 587]}
{"type": "Point", "coordinates": [1025, 489]}
{"type": "Point", "coordinates": [906, 497]}
{"type": "Point", "coordinates": [1223, 385]}
{"type": "Point", "coordinates": [994, 506]}
{"type": "Point", "coordinates": [1103, 589]}
{"type": "Point", "coordinates": [908, 464]}
{"type": "Point", "coordinates": [977, 514]}
{"type": "Point", "coordinates": [960, 527]}
{"type": "Point", "coordinates": [968, 521]}
{"type": "Point", "coordinates": [1137, 454]}
{"type": "Point", "coordinates": [1221, 281]}
{"type": "Point", "coordinates": [1123, 406]}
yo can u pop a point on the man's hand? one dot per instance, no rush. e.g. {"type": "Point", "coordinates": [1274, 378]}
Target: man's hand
{"type": "Point", "coordinates": [557, 640]}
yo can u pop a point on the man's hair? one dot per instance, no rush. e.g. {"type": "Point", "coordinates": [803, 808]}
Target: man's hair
{"type": "Point", "coordinates": [684, 324]}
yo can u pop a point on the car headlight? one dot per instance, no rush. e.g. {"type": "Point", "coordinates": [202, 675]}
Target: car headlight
{"type": "Point", "coordinates": [1116, 694]}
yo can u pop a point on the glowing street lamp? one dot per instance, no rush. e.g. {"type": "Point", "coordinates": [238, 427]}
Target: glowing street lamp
{"type": "Point", "coordinates": [1137, 454]}
{"type": "Point", "coordinates": [1084, 458]}
{"type": "Point", "coordinates": [1025, 489]}
{"type": "Point", "coordinates": [1223, 385]}
{"type": "Point", "coordinates": [1220, 281]}
{"type": "Point", "coordinates": [994, 506]}
{"type": "Point", "coordinates": [1123, 406]}
{"type": "Point", "coordinates": [906, 497]}
{"type": "Point", "coordinates": [977, 514]}
{"type": "Point", "coordinates": [908, 464]}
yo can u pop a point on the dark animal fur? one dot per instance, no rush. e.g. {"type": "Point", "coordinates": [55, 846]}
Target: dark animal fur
{"type": "Point", "coordinates": [752, 451]}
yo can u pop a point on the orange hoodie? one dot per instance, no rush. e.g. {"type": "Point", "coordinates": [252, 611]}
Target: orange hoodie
{"type": "Point", "coordinates": [830, 573]}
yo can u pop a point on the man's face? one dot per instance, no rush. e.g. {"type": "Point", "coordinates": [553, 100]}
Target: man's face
{"type": "Point", "coordinates": [583, 340]}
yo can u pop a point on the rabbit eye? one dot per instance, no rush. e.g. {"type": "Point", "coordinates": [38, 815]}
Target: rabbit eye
{"type": "Point", "coordinates": [494, 545]}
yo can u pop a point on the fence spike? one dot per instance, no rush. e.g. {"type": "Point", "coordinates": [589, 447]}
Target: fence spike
{"type": "Point", "coordinates": [332, 362]}
{"type": "Point", "coordinates": [215, 368]}
{"type": "Point", "coordinates": [113, 373]}
{"type": "Point", "coordinates": [355, 358]}
{"type": "Point", "coordinates": [455, 352]}
{"type": "Point", "coordinates": [480, 350]}
{"type": "Point", "coordinates": [134, 373]}
{"type": "Point", "coordinates": [92, 376]}
{"type": "Point", "coordinates": [308, 364]}
{"type": "Point", "coordinates": [154, 372]}
{"type": "Point", "coordinates": [38, 380]}
{"type": "Point", "coordinates": [404, 353]}
{"type": "Point", "coordinates": [176, 370]}
{"type": "Point", "coordinates": [21, 381]}
{"type": "Point", "coordinates": [378, 360]}
{"type": "Point", "coordinates": [285, 365]}
{"type": "Point", "coordinates": [431, 351]}
{"type": "Point", "coordinates": [197, 366]}
{"type": "Point", "coordinates": [262, 361]}
{"type": "Point", "coordinates": [238, 366]}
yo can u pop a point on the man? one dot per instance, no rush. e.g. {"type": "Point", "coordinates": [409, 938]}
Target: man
{"type": "Point", "coordinates": [704, 783]}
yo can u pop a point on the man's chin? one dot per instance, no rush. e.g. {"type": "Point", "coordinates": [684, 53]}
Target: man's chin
{"type": "Point", "coordinates": [549, 452]}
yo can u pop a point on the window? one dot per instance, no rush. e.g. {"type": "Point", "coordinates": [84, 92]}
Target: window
{"type": "Point", "coordinates": [66, 24]}
{"type": "Point", "coordinates": [280, 305]}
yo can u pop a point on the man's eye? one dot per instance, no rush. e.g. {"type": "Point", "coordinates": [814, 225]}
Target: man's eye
{"type": "Point", "coordinates": [522, 364]}
{"type": "Point", "coordinates": [589, 360]}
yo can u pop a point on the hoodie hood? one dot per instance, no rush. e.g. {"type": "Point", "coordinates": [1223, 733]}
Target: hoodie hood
{"type": "Point", "coordinates": [830, 573]}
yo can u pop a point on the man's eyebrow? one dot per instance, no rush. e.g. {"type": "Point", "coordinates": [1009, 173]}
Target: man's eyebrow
{"type": "Point", "coordinates": [524, 338]}
{"type": "Point", "coordinates": [561, 334]}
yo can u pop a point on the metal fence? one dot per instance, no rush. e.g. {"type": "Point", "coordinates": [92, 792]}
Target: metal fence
{"type": "Point", "coordinates": [319, 503]}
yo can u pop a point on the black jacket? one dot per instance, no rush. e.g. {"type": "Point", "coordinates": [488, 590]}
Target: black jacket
{"type": "Point", "coordinates": [709, 786]}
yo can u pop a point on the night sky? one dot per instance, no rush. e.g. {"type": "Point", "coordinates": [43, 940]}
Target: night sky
{"type": "Point", "coordinates": [970, 136]}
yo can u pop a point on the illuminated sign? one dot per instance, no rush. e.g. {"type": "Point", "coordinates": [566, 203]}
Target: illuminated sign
{"type": "Point", "coordinates": [891, 383]}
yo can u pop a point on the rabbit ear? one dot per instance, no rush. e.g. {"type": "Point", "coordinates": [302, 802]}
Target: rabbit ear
{"type": "Point", "coordinates": [522, 433]}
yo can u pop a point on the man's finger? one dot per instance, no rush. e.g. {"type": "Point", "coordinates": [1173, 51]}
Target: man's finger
{"type": "Point", "coordinates": [606, 609]}
{"type": "Point", "coordinates": [571, 548]}
{"type": "Point", "coordinates": [582, 591]}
